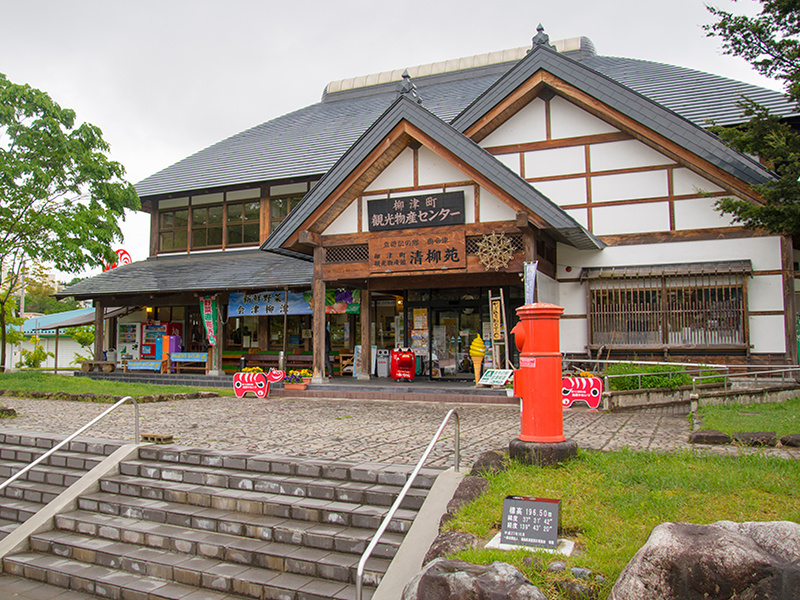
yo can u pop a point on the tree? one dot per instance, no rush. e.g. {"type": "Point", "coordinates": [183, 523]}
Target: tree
{"type": "Point", "coordinates": [60, 195]}
{"type": "Point", "coordinates": [770, 41]}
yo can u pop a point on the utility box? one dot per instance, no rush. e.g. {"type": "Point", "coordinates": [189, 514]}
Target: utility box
{"type": "Point", "coordinates": [403, 364]}
{"type": "Point", "coordinates": [383, 363]}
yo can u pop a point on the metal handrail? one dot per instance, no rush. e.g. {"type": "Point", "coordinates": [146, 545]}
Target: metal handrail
{"type": "Point", "coordinates": [67, 440]}
{"type": "Point", "coordinates": [753, 374]}
{"type": "Point", "coordinates": [388, 518]}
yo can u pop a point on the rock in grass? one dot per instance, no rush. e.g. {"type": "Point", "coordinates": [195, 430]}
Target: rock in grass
{"type": "Point", "coordinates": [757, 438]}
{"type": "Point", "coordinates": [724, 560]}
{"type": "Point", "coordinates": [7, 413]}
{"type": "Point", "coordinates": [574, 590]}
{"type": "Point", "coordinates": [792, 440]}
{"type": "Point", "coordinates": [444, 579]}
{"type": "Point", "coordinates": [710, 436]}
{"type": "Point", "coordinates": [489, 462]}
{"type": "Point", "coordinates": [448, 543]}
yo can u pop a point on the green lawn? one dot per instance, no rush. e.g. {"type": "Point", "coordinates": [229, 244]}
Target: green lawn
{"type": "Point", "coordinates": [31, 381]}
{"type": "Point", "coordinates": [610, 501]}
{"type": "Point", "coordinates": [781, 417]}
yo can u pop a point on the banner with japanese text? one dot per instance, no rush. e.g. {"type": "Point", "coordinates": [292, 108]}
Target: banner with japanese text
{"type": "Point", "coordinates": [210, 310]}
{"type": "Point", "coordinates": [264, 304]}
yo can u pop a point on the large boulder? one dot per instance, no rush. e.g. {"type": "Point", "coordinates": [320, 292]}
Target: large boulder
{"type": "Point", "coordinates": [450, 542]}
{"type": "Point", "coordinates": [724, 560]}
{"type": "Point", "coordinates": [444, 579]}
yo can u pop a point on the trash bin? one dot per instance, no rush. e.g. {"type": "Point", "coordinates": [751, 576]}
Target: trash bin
{"type": "Point", "coordinates": [383, 363]}
{"type": "Point", "coordinates": [111, 355]}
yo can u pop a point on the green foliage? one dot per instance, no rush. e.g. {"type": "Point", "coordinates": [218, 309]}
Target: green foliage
{"type": "Point", "coordinates": [610, 501]}
{"type": "Point", "coordinates": [655, 376]}
{"type": "Point", "coordinates": [781, 417]}
{"type": "Point", "coordinates": [33, 359]}
{"type": "Point", "coordinates": [84, 335]}
{"type": "Point", "coordinates": [770, 42]}
{"type": "Point", "coordinates": [60, 195]}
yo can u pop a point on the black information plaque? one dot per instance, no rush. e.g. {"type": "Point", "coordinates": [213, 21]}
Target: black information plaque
{"type": "Point", "coordinates": [530, 522]}
{"type": "Point", "coordinates": [426, 210]}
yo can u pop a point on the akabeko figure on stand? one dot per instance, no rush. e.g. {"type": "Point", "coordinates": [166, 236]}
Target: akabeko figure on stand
{"type": "Point", "coordinates": [538, 383]}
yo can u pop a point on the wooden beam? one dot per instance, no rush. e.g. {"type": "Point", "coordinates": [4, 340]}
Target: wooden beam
{"type": "Point", "coordinates": [366, 329]}
{"type": "Point", "coordinates": [319, 316]}
{"type": "Point", "coordinates": [309, 238]}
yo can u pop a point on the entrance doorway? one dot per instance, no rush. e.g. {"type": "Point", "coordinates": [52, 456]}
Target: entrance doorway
{"type": "Point", "coordinates": [451, 335]}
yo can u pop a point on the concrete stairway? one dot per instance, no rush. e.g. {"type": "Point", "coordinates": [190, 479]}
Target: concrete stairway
{"type": "Point", "coordinates": [184, 523]}
{"type": "Point", "coordinates": [27, 495]}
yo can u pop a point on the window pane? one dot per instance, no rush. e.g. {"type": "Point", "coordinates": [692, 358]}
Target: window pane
{"type": "Point", "coordinates": [215, 214]}
{"type": "Point", "coordinates": [180, 240]}
{"type": "Point", "coordinates": [199, 238]}
{"type": "Point", "coordinates": [181, 218]}
{"type": "Point", "coordinates": [278, 209]}
{"type": "Point", "coordinates": [200, 216]}
{"type": "Point", "coordinates": [252, 211]}
{"type": "Point", "coordinates": [251, 233]}
{"type": "Point", "coordinates": [165, 241]}
{"type": "Point", "coordinates": [215, 236]}
{"type": "Point", "coordinates": [166, 220]}
{"type": "Point", "coordinates": [234, 235]}
{"type": "Point", "coordinates": [234, 212]}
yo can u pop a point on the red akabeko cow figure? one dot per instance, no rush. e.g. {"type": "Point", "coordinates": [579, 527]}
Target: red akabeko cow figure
{"type": "Point", "coordinates": [588, 389]}
{"type": "Point", "coordinates": [258, 383]}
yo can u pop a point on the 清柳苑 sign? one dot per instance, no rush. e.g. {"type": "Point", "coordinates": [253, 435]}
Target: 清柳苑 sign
{"type": "Point", "coordinates": [418, 252]}
{"type": "Point", "coordinates": [530, 521]}
{"type": "Point", "coordinates": [425, 210]}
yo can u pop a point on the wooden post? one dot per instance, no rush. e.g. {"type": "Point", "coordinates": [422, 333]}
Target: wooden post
{"type": "Point", "coordinates": [366, 343]}
{"type": "Point", "coordinates": [98, 331]}
{"type": "Point", "coordinates": [319, 318]}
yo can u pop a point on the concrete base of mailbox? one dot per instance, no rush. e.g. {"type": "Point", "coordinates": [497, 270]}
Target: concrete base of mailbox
{"type": "Point", "coordinates": [542, 454]}
{"type": "Point", "coordinates": [565, 547]}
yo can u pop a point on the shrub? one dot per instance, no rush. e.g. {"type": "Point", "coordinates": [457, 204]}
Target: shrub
{"type": "Point", "coordinates": [33, 359]}
{"type": "Point", "coordinates": [652, 376]}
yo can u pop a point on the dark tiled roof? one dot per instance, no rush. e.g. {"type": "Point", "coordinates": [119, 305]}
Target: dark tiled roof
{"type": "Point", "coordinates": [562, 226]}
{"type": "Point", "coordinates": [198, 272]}
{"type": "Point", "coordinates": [308, 142]}
{"type": "Point", "coordinates": [628, 102]}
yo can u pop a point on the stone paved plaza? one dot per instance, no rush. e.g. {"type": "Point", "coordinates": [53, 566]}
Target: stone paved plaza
{"type": "Point", "coordinates": [378, 431]}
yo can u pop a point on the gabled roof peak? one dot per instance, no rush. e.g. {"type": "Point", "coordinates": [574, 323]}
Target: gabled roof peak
{"type": "Point", "coordinates": [407, 88]}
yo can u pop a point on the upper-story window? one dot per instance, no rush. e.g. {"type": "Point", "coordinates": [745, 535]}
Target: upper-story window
{"type": "Point", "coordinates": [224, 219]}
{"type": "Point", "coordinates": [244, 223]}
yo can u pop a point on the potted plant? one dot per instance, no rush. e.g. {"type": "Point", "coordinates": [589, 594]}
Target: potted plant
{"type": "Point", "coordinates": [294, 381]}
{"type": "Point", "coordinates": [306, 375]}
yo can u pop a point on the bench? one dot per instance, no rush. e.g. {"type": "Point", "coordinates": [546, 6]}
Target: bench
{"type": "Point", "coordinates": [159, 366]}
{"type": "Point", "coordinates": [107, 366]}
{"type": "Point", "coordinates": [294, 362]}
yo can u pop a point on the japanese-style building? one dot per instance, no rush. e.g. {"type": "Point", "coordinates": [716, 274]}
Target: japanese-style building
{"type": "Point", "coordinates": [393, 209]}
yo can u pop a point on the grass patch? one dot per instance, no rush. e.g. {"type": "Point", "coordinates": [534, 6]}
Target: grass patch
{"type": "Point", "coordinates": [26, 381]}
{"type": "Point", "coordinates": [781, 417]}
{"type": "Point", "coordinates": [610, 501]}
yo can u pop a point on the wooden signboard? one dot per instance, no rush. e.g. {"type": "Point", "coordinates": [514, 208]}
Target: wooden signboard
{"type": "Point", "coordinates": [392, 252]}
{"type": "Point", "coordinates": [424, 210]}
{"type": "Point", "coordinates": [530, 521]}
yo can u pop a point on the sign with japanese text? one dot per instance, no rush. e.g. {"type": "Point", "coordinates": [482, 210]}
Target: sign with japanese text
{"type": "Point", "coordinates": [209, 311]}
{"type": "Point", "coordinates": [424, 210]}
{"type": "Point", "coordinates": [497, 320]}
{"type": "Point", "coordinates": [265, 304]}
{"type": "Point", "coordinates": [530, 521]}
{"type": "Point", "coordinates": [495, 377]}
{"type": "Point", "coordinates": [415, 252]}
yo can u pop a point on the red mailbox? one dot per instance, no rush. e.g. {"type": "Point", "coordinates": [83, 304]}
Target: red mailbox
{"type": "Point", "coordinates": [403, 364]}
{"type": "Point", "coordinates": [538, 380]}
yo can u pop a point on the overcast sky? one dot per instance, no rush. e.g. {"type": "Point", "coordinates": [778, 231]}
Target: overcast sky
{"type": "Point", "coordinates": [164, 79]}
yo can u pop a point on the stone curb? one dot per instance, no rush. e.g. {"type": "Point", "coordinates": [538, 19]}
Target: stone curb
{"type": "Point", "coordinates": [105, 398]}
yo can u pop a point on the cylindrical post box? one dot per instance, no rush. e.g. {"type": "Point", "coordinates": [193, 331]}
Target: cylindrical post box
{"type": "Point", "coordinates": [538, 380]}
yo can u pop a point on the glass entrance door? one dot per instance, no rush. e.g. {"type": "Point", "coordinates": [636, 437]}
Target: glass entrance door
{"type": "Point", "coordinates": [452, 331]}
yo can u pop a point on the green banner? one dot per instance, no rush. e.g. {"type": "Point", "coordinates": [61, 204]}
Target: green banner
{"type": "Point", "coordinates": [210, 310]}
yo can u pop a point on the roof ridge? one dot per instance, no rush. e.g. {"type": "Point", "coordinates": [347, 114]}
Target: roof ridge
{"type": "Point", "coordinates": [580, 43]}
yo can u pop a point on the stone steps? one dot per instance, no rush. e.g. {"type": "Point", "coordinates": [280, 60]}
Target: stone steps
{"type": "Point", "coordinates": [183, 523]}
{"type": "Point", "coordinates": [35, 489]}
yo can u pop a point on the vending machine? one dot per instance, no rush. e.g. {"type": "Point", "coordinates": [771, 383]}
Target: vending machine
{"type": "Point", "coordinates": [128, 341]}
{"type": "Point", "coordinates": [151, 335]}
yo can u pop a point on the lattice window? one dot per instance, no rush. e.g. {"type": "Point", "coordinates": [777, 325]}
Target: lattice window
{"type": "Point", "coordinates": [677, 309]}
{"type": "Point", "coordinates": [344, 254]}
